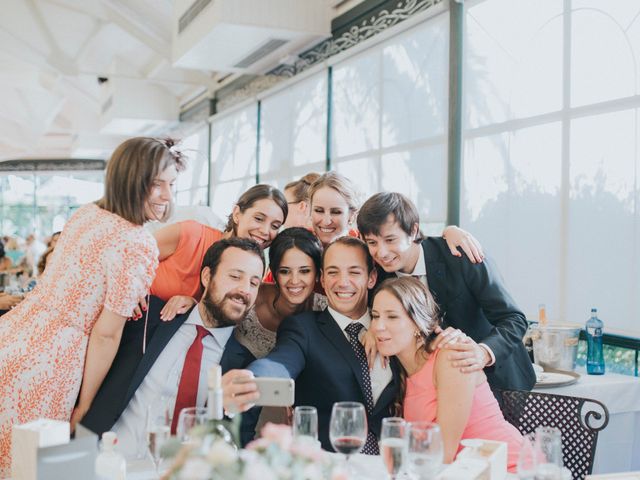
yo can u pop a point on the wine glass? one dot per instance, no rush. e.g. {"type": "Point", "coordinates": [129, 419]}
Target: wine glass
{"type": "Point", "coordinates": [348, 428]}
{"type": "Point", "coordinates": [158, 432]}
{"type": "Point", "coordinates": [188, 419]}
{"type": "Point", "coordinates": [425, 451]}
{"type": "Point", "coordinates": [393, 443]}
{"type": "Point", "coordinates": [305, 424]}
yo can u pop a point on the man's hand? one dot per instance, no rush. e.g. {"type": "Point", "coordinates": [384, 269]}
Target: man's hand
{"type": "Point", "coordinates": [447, 336]}
{"type": "Point", "coordinates": [240, 391]}
{"type": "Point", "coordinates": [468, 356]}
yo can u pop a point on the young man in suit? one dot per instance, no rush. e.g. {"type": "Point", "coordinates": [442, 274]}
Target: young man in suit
{"type": "Point", "coordinates": [322, 351]}
{"type": "Point", "coordinates": [179, 353]}
{"type": "Point", "coordinates": [471, 296]}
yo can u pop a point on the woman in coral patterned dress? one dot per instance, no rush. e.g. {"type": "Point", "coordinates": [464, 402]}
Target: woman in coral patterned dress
{"type": "Point", "coordinates": [66, 332]}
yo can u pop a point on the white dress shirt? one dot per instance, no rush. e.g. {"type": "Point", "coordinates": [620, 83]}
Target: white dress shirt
{"type": "Point", "coordinates": [163, 379]}
{"type": "Point", "coordinates": [380, 377]}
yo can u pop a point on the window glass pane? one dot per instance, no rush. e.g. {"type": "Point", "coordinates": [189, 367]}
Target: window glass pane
{"type": "Point", "coordinates": [604, 66]}
{"type": "Point", "coordinates": [602, 212]}
{"type": "Point", "coordinates": [511, 201]}
{"type": "Point", "coordinates": [363, 172]}
{"type": "Point", "coordinates": [512, 69]}
{"type": "Point", "coordinates": [293, 125]}
{"type": "Point", "coordinates": [225, 195]}
{"type": "Point", "coordinates": [421, 175]}
{"type": "Point", "coordinates": [233, 145]}
{"type": "Point", "coordinates": [356, 104]}
{"type": "Point", "coordinates": [415, 85]}
{"type": "Point", "coordinates": [196, 149]}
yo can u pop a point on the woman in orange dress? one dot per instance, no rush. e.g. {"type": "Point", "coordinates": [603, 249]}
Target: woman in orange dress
{"type": "Point", "coordinates": [66, 332]}
{"type": "Point", "coordinates": [403, 319]}
{"type": "Point", "coordinates": [258, 214]}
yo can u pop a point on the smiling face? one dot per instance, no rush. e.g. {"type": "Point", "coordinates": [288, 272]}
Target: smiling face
{"type": "Point", "coordinates": [233, 289]}
{"type": "Point", "coordinates": [330, 215]}
{"type": "Point", "coordinates": [392, 326]}
{"type": "Point", "coordinates": [259, 222]}
{"type": "Point", "coordinates": [393, 249]}
{"type": "Point", "coordinates": [296, 277]}
{"type": "Point", "coordinates": [346, 280]}
{"type": "Point", "coordinates": [160, 195]}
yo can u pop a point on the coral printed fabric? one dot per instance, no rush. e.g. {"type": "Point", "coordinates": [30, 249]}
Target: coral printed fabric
{"type": "Point", "coordinates": [101, 261]}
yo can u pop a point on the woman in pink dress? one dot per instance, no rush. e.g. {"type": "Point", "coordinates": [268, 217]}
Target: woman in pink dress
{"type": "Point", "coordinates": [403, 319]}
{"type": "Point", "coordinates": [66, 332]}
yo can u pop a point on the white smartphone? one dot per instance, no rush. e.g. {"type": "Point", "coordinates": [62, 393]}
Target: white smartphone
{"type": "Point", "coordinates": [275, 392]}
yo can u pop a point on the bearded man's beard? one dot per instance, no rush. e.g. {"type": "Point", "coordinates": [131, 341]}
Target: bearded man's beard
{"type": "Point", "coordinates": [216, 313]}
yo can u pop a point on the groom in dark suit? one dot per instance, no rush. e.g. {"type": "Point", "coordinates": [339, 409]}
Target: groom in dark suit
{"type": "Point", "coordinates": [322, 350]}
{"type": "Point", "coordinates": [470, 296]}
{"type": "Point", "coordinates": [179, 353]}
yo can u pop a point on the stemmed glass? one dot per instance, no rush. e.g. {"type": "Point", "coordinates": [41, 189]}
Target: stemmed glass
{"type": "Point", "coordinates": [348, 428]}
{"type": "Point", "coordinates": [188, 419]}
{"type": "Point", "coordinates": [393, 444]}
{"type": "Point", "coordinates": [158, 432]}
{"type": "Point", "coordinates": [305, 424]}
{"type": "Point", "coordinates": [425, 451]}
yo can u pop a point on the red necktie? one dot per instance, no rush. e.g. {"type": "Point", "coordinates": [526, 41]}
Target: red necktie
{"type": "Point", "coordinates": [188, 387]}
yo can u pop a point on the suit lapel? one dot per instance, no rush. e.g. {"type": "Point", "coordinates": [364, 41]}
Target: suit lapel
{"type": "Point", "coordinates": [436, 274]}
{"type": "Point", "coordinates": [332, 331]}
{"type": "Point", "coordinates": [234, 355]}
{"type": "Point", "coordinates": [164, 332]}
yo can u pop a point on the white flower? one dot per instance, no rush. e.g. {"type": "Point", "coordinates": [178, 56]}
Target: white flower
{"type": "Point", "coordinates": [258, 471]}
{"type": "Point", "coordinates": [221, 453]}
{"type": "Point", "coordinates": [195, 469]}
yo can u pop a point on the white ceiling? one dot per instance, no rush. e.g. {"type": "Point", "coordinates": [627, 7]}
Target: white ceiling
{"type": "Point", "coordinates": [51, 53]}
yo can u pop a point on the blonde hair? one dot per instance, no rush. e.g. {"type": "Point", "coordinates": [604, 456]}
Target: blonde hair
{"type": "Point", "coordinates": [300, 188]}
{"type": "Point", "coordinates": [133, 167]}
{"type": "Point", "coordinates": [340, 184]}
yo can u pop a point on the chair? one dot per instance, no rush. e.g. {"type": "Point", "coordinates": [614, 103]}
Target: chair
{"type": "Point", "coordinates": [579, 420]}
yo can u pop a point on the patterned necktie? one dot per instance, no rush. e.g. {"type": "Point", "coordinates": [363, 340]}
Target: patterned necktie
{"type": "Point", "coordinates": [189, 379]}
{"type": "Point", "coordinates": [353, 330]}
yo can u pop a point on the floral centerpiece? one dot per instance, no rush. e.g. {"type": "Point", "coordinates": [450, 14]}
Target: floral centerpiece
{"type": "Point", "coordinates": [274, 456]}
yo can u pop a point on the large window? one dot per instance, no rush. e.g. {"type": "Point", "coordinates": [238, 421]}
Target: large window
{"type": "Point", "coordinates": [390, 118]}
{"type": "Point", "coordinates": [233, 157]}
{"type": "Point", "coordinates": [551, 163]}
{"type": "Point", "coordinates": [193, 183]}
{"type": "Point", "coordinates": [41, 203]}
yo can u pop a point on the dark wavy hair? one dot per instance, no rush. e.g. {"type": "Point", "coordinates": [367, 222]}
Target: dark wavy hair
{"type": "Point", "coordinates": [214, 252]}
{"type": "Point", "coordinates": [294, 237]}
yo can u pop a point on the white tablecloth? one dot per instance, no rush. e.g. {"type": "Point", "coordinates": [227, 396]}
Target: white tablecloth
{"type": "Point", "coordinates": [618, 448]}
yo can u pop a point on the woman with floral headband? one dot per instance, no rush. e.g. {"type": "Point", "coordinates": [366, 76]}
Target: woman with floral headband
{"type": "Point", "coordinates": [66, 332]}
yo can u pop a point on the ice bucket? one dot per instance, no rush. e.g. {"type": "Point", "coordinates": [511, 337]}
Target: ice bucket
{"type": "Point", "coordinates": [556, 345]}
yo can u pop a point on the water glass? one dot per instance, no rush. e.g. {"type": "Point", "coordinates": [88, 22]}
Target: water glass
{"type": "Point", "coordinates": [305, 423]}
{"type": "Point", "coordinates": [425, 450]}
{"type": "Point", "coordinates": [158, 428]}
{"type": "Point", "coordinates": [188, 419]}
{"type": "Point", "coordinates": [527, 458]}
{"type": "Point", "coordinates": [348, 427]}
{"type": "Point", "coordinates": [393, 444]}
{"type": "Point", "coordinates": [549, 449]}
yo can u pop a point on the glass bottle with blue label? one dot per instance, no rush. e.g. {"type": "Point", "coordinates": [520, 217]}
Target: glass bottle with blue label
{"type": "Point", "coordinates": [595, 354]}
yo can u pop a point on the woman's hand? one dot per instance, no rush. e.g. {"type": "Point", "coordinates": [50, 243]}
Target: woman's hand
{"type": "Point", "coordinates": [141, 307]}
{"type": "Point", "coordinates": [370, 348]}
{"type": "Point", "coordinates": [77, 415]}
{"type": "Point", "coordinates": [7, 302]}
{"type": "Point", "coordinates": [457, 237]}
{"type": "Point", "coordinates": [176, 306]}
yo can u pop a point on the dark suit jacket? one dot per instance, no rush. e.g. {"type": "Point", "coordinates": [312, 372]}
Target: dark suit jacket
{"type": "Point", "coordinates": [130, 366]}
{"type": "Point", "coordinates": [313, 350]}
{"type": "Point", "coordinates": [472, 298]}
